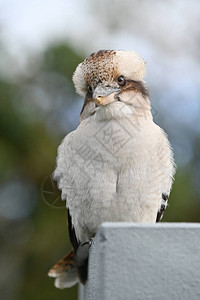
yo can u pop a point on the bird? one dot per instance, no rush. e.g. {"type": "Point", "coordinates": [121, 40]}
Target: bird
{"type": "Point", "coordinates": [118, 165]}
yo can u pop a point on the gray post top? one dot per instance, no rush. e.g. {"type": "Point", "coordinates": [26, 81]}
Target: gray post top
{"type": "Point", "coordinates": [130, 261]}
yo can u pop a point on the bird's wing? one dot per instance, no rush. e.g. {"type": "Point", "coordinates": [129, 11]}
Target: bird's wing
{"type": "Point", "coordinates": [167, 171]}
{"type": "Point", "coordinates": [69, 170]}
{"type": "Point", "coordinates": [66, 174]}
{"type": "Point", "coordinates": [72, 234]}
{"type": "Point", "coordinates": [64, 166]}
{"type": "Point", "coordinates": [162, 207]}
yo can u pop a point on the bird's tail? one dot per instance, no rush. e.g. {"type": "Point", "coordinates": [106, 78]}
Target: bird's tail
{"type": "Point", "coordinates": [65, 271]}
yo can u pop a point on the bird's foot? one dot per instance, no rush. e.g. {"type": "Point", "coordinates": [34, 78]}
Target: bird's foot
{"type": "Point", "coordinates": [91, 241]}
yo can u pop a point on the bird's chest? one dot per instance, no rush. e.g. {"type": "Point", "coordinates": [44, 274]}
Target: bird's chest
{"type": "Point", "coordinates": [110, 163]}
{"type": "Point", "coordinates": [109, 141]}
{"type": "Point", "coordinates": [108, 155]}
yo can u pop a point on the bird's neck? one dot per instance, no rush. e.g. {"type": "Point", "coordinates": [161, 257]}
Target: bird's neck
{"type": "Point", "coordinates": [120, 110]}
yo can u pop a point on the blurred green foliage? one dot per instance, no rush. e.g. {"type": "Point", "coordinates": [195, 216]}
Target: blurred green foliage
{"type": "Point", "coordinates": [27, 153]}
{"type": "Point", "coordinates": [61, 59]}
{"type": "Point", "coordinates": [28, 145]}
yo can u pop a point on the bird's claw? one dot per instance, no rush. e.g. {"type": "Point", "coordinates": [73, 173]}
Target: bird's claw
{"type": "Point", "coordinates": [90, 242]}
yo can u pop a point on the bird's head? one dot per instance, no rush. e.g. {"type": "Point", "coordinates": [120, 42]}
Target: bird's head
{"type": "Point", "coordinates": [112, 84]}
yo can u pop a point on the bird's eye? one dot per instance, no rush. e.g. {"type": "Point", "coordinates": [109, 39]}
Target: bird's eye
{"type": "Point", "coordinates": [121, 80]}
{"type": "Point", "coordinates": [90, 88]}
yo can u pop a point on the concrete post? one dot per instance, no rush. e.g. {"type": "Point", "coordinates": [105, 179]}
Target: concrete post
{"type": "Point", "coordinates": [144, 261]}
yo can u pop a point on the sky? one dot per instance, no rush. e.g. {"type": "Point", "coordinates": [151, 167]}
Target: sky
{"type": "Point", "coordinates": [30, 25]}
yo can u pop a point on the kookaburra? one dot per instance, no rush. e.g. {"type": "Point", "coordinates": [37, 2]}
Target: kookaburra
{"type": "Point", "coordinates": [117, 166]}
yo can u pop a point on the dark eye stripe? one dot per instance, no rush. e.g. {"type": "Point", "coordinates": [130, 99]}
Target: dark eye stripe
{"type": "Point", "coordinates": [138, 86]}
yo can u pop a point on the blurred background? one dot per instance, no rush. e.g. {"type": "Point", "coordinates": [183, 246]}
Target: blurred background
{"type": "Point", "coordinates": [41, 43]}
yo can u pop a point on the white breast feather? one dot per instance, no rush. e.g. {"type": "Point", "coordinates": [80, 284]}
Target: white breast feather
{"type": "Point", "coordinates": [116, 177]}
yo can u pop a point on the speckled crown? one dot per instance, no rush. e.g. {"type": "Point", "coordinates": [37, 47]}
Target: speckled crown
{"type": "Point", "coordinates": [107, 65]}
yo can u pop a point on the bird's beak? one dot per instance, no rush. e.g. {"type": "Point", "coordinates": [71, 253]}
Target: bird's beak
{"type": "Point", "coordinates": [104, 100]}
{"type": "Point", "coordinates": [104, 94]}
{"type": "Point", "coordinates": [98, 100]}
